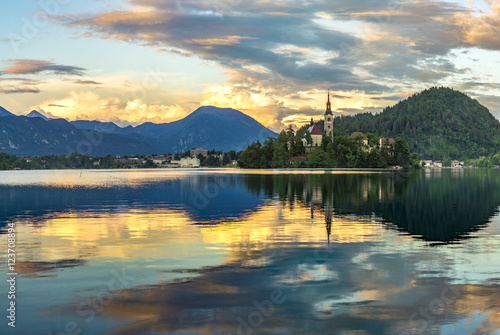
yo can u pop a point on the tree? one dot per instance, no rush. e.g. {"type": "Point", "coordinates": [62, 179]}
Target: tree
{"type": "Point", "coordinates": [446, 160]}
{"type": "Point", "coordinates": [376, 160]}
{"type": "Point", "coordinates": [267, 154]}
{"type": "Point", "coordinates": [250, 157]}
{"type": "Point", "coordinates": [401, 152]}
{"type": "Point", "coordinates": [316, 159]}
{"type": "Point", "coordinates": [281, 154]}
{"type": "Point", "coordinates": [149, 163]}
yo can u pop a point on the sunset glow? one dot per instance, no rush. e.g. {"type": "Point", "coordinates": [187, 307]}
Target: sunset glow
{"type": "Point", "coordinates": [143, 60]}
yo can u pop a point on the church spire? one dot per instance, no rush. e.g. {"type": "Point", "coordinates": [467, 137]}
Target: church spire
{"type": "Point", "coordinates": [328, 105]}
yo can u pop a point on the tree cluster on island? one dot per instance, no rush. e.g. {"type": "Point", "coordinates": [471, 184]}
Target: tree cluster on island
{"type": "Point", "coordinates": [288, 151]}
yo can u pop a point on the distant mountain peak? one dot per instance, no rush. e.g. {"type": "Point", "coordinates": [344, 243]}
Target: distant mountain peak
{"type": "Point", "coordinates": [4, 112]}
{"type": "Point", "coordinates": [35, 113]}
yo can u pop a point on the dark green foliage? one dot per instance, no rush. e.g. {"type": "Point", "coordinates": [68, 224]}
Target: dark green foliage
{"type": "Point", "coordinates": [341, 152]}
{"type": "Point", "coordinates": [211, 161]}
{"type": "Point", "coordinates": [435, 123]}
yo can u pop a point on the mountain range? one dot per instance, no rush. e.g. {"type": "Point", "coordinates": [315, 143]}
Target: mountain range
{"type": "Point", "coordinates": [207, 127]}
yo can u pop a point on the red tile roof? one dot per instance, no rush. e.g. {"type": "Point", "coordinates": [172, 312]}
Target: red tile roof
{"type": "Point", "coordinates": [358, 133]}
{"type": "Point", "coordinates": [384, 142]}
{"type": "Point", "coordinates": [314, 130]}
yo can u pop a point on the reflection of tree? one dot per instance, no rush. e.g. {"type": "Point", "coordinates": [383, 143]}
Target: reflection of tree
{"type": "Point", "coordinates": [436, 206]}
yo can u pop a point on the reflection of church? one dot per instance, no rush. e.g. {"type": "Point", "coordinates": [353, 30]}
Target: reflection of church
{"type": "Point", "coordinates": [322, 202]}
{"type": "Point", "coordinates": [316, 133]}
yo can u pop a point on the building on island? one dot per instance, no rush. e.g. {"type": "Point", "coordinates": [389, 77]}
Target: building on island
{"type": "Point", "coordinates": [315, 132]}
{"type": "Point", "coordinates": [362, 136]}
{"type": "Point", "coordinates": [316, 137]}
{"type": "Point", "coordinates": [329, 117]}
{"type": "Point", "coordinates": [386, 142]}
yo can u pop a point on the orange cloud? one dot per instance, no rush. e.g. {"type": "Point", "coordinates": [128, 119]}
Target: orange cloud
{"type": "Point", "coordinates": [483, 30]}
{"type": "Point", "coordinates": [91, 106]}
{"type": "Point", "coordinates": [228, 40]}
{"type": "Point", "coordinates": [33, 66]}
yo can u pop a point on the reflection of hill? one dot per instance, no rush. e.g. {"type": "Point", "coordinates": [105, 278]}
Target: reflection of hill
{"type": "Point", "coordinates": [434, 205]}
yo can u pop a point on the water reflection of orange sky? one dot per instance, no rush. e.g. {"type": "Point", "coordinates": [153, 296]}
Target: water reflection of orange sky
{"type": "Point", "coordinates": [155, 235]}
{"type": "Point", "coordinates": [149, 232]}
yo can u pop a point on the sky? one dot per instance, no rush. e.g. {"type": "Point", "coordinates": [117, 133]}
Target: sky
{"type": "Point", "coordinates": [158, 60]}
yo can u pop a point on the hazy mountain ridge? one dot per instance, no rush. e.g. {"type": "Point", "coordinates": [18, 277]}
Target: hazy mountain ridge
{"type": "Point", "coordinates": [208, 127]}
{"type": "Point", "coordinates": [35, 136]}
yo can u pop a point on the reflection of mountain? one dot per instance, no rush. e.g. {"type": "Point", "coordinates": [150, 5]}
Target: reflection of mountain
{"type": "Point", "coordinates": [206, 198]}
{"type": "Point", "coordinates": [435, 205]}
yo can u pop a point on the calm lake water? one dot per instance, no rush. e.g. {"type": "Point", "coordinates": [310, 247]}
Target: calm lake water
{"type": "Point", "coordinates": [252, 252]}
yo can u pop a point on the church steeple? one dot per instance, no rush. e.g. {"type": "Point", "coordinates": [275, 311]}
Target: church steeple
{"type": "Point", "coordinates": [329, 117]}
{"type": "Point", "coordinates": [328, 105]}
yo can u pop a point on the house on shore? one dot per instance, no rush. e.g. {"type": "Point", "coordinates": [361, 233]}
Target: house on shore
{"type": "Point", "coordinates": [362, 136]}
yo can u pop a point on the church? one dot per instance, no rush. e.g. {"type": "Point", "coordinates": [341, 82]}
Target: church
{"type": "Point", "coordinates": [316, 133]}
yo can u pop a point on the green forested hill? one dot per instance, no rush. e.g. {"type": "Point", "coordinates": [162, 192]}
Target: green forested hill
{"type": "Point", "coordinates": [436, 123]}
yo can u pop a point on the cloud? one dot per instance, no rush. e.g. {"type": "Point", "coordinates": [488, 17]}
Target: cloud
{"type": "Point", "coordinates": [86, 82]}
{"type": "Point", "coordinates": [14, 90]}
{"type": "Point", "coordinates": [245, 36]}
{"type": "Point", "coordinates": [91, 106]}
{"type": "Point", "coordinates": [33, 66]}
{"type": "Point", "coordinates": [482, 30]}
{"type": "Point", "coordinates": [269, 51]}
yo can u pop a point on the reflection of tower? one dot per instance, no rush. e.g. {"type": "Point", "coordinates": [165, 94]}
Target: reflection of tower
{"type": "Point", "coordinates": [328, 205]}
{"type": "Point", "coordinates": [329, 117]}
{"type": "Point", "coordinates": [328, 220]}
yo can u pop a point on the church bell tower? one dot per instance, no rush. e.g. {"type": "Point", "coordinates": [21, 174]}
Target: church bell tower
{"type": "Point", "coordinates": [329, 117]}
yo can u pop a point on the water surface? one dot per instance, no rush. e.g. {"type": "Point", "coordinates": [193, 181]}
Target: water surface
{"type": "Point", "coordinates": [253, 252]}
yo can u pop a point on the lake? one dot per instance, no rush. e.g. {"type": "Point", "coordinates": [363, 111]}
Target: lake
{"type": "Point", "coordinates": [228, 251]}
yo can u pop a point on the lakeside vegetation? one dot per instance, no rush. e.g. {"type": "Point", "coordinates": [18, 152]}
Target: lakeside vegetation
{"type": "Point", "coordinates": [85, 161]}
{"type": "Point", "coordinates": [339, 152]}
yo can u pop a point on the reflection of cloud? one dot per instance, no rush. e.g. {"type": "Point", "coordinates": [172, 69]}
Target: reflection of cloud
{"type": "Point", "coordinates": [36, 269]}
{"type": "Point", "coordinates": [361, 282]}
